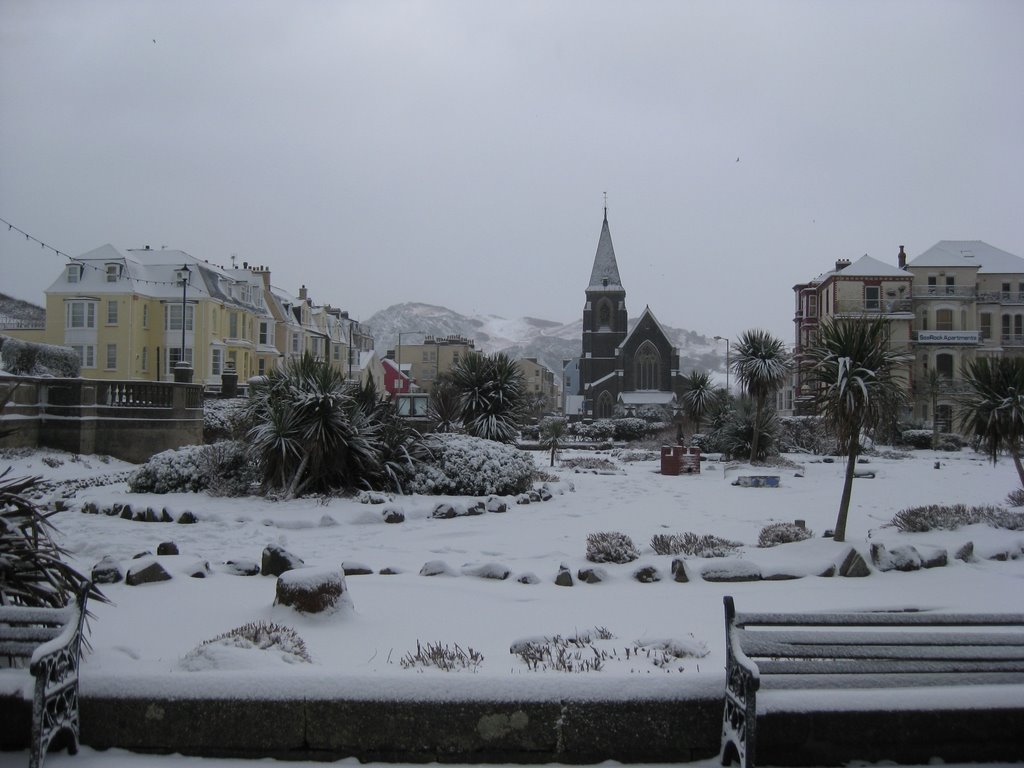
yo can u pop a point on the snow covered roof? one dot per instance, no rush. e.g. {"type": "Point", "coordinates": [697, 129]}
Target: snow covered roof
{"type": "Point", "coordinates": [647, 398]}
{"type": "Point", "coordinates": [866, 266]}
{"type": "Point", "coordinates": [639, 327]}
{"type": "Point", "coordinates": [605, 273]}
{"type": "Point", "coordinates": [969, 253]}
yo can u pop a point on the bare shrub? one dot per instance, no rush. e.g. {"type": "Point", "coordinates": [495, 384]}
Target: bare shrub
{"type": "Point", "coordinates": [949, 517]}
{"type": "Point", "coordinates": [1015, 498]}
{"type": "Point", "coordinates": [264, 635]}
{"type": "Point", "coordinates": [442, 657]}
{"type": "Point", "coordinates": [590, 463]}
{"type": "Point", "coordinates": [694, 545]}
{"type": "Point", "coordinates": [611, 547]}
{"type": "Point", "coordinates": [782, 533]}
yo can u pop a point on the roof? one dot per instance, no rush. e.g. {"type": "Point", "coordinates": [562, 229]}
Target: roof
{"type": "Point", "coordinates": [605, 266]}
{"type": "Point", "coordinates": [638, 328]}
{"type": "Point", "coordinates": [969, 253]}
{"type": "Point", "coordinates": [647, 398]}
{"type": "Point", "coordinates": [866, 266]}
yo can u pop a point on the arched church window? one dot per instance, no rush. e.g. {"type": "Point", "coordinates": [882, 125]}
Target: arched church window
{"type": "Point", "coordinates": [604, 315]}
{"type": "Point", "coordinates": [647, 367]}
{"type": "Point", "coordinates": [604, 407]}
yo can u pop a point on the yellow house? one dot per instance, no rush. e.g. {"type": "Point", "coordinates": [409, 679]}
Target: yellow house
{"type": "Point", "coordinates": [134, 315]}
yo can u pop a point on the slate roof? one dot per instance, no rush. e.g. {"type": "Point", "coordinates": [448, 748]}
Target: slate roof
{"type": "Point", "coordinates": [605, 265]}
{"type": "Point", "coordinates": [866, 266]}
{"type": "Point", "coordinates": [967, 253]}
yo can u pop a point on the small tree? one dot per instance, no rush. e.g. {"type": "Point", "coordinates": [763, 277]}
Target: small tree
{"type": "Point", "coordinates": [445, 408]}
{"type": "Point", "coordinates": [699, 396]}
{"type": "Point", "coordinates": [492, 394]}
{"type": "Point", "coordinates": [851, 371]}
{"type": "Point", "coordinates": [993, 407]}
{"type": "Point", "coordinates": [761, 366]}
{"type": "Point", "coordinates": [552, 431]}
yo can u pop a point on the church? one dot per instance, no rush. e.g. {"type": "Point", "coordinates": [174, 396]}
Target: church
{"type": "Point", "coordinates": [621, 372]}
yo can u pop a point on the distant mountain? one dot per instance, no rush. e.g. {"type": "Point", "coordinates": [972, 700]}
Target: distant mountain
{"type": "Point", "coordinates": [548, 341]}
{"type": "Point", "coordinates": [22, 314]}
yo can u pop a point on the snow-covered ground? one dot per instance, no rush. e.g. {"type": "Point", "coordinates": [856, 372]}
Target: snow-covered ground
{"type": "Point", "coordinates": [140, 640]}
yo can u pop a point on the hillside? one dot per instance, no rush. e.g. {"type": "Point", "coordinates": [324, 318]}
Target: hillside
{"type": "Point", "coordinates": [548, 341]}
{"type": "Point", "coordinates": [18, 313]}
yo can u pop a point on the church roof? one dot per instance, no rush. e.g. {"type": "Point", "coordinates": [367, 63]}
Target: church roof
{"type": "Point", "coordinates": [639, 329]}
{"type": "Point", "coordinates": [605, 273]}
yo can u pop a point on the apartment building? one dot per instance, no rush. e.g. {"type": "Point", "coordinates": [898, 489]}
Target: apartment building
{"type": "Point", "coordinates": [542, 385]}
{"type": "Point", "coordinates": [436, 355]}
{"type": "Point", "coordinates": [955, 301]}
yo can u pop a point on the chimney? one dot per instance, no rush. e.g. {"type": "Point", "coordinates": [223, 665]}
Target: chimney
{"type": "Point", "coordinates": [841, 264]}
{"type": "Point", "coordinates": [245, 265]}
{"type": "Point", "coordinates": [303, 294]}
{"type": "Point", "coordinates": [265, 274]}
{"type": "Point", "coordinates": [901, 258]}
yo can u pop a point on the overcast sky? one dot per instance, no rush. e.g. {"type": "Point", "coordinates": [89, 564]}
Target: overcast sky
{"type": "Point", "coordinates": [457, 153]}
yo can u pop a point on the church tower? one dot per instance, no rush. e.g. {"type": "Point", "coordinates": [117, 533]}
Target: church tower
{"type": "Point", "coordinates": [604, 329]}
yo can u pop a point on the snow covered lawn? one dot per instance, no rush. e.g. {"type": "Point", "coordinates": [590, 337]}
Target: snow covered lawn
{"type": "Point", "coordinates": [662, 638]}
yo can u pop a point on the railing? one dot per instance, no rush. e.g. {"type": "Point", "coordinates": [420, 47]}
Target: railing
{"type": "Point", "coordinates": [135, 394]}
{"type": "Point", "coordinates": [1002, 297]}
{"type": "Point", "coordinates": [13, 324]}
{"type": "Point", "coordinates": [883, 306]}
{"type": "Point", "coordinates": [945, 292]}
{"type": "Point", "coordinates": [1012, 339]}
{"type": "Point", "coordinates": [946, 387]}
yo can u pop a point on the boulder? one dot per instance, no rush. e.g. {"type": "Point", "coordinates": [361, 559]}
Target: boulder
{"type": "Point", "coordinates": [528, 578]}
{"type": "Point", "coordinates": [497, 505]}
{"type": "Point", "coordinates": [854, 565]}
{"type": "Point", "coordinates": [392, 514]}
{"type": "Point", "coordinates": [312, 590]}
{"type": "Point", "coordinates": [165, 516]}
{"type": "Point", "coordinates": [186, 518]}
{"type": "Point", "coordinates": [167, 548]}
{"type": "Point", "coordinates": [126, 512]}
{"type": "Point", "coordinates": [198, 569]}
{"type": "Point", "coordinates": [277, 560]}
{"type": "Point", "coordinates": [327, 522]}
{"type": "Point", "coordinates": [488, 571]}
{"type": "Point", "coordinates": [476, 508]}
{"type": "Point", "coordinates": [966, 553]}
{"type": "Point", "coordinates": [900, 558]}
{"type": "Point", "coordinates": [149, 573]}
{"type": "Point", "coordinates": [242, 567]}
{"type": "Point", "coordinates": [436, 568]}
{"type": "Point", "coordinates": [729, 570]}
{"type": "Point", "coordinates": [934, 557]}
{"type": "Point", "coordinates": [356, 569]}
{"type": "Point", "coordinates": [91, 508]}
{"type": "Point", "coordinates": [390, 571]}
{"type": "Point", "coordinates": [544, 493]}
{"type": "Point", "coordinates": [106, 571]}
{"type": "Point", "coordinates": [564, 577]}
{"type": "Point", "coordinates": [829, 572]}
{"type": "Point", "coordinates": [591, 575]}
{"type": "Point", "coordinates": [446, 511]}
{"type": "Point", "coordinates": [679, 571]}
{"type": "Point", "coordinates": [523, 498]}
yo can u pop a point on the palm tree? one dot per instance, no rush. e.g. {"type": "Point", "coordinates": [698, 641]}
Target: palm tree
{"type": "Point", "coordinates": [852, 372]}
{"type": "Point", "coordinates": [699, 397]}
{"type": "Point", "coordinates": [993, 407]}
{"type": "Point", "coordinates": [445, 408]}
{"type": "Point", "coordinates": [552, 430]}
{"type": "Point", "coordinates": [934, 384]}
{"type": "Point", "coordinates": [492, 393]}
{"type": "Point", "coordinates": [762, 366]}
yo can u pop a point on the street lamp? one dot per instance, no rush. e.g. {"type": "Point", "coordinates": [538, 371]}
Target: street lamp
{"type": "Point", "coordinates": [182, 370]}
{"type": "Point", "coordinates": [726, 340]}
{"type": "Point", "coordinates": [398, 354]}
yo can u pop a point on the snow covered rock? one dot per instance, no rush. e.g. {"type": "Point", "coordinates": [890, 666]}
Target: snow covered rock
{"type": "Point", "coordinates": [647, 574]}
{"type": "Point", "coordinates": [313, 590]}
{"type": "Point", "coordinates": [186, 518]}
{"type": "Point", "coordinates": [147, 572]}
{"type": "Point", "coordinates": [488, 571]}
{"type": "Point", "coordinates": [966, 553]}
{"type": "Point", "coordinates": [277, 560]}
{"type": "Point", "coordinates": [900, 558]}
{"type": "Point", "coordinates": [679, 571]}
{"type": "Point", "coordinates": [106, 571]}
{"type": "Point", "coordinates": [496, 505]}
{"type": "Point", "coordinates": [242, 567]}
{"type": "Point", "coordinates": [528, 578]}
{"type": "Point", "coordinates": [356, 569]}
{"type": "Point", "coordinates": [436, 568]}
{"type": "Point", "coordinates": [592, 575]}
{"type": "Point", "coordinates": [167, 548]}
{"type": "Point", "coordinates": [730, 569]}
{"type": "Point", "coordinates": [854, 565]}
{"type": "Point", "coordinates": [393, 514]}
{"type": "Point", "coordinates": [564, 577]}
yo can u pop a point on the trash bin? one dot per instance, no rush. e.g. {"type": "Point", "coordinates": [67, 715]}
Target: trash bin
{"type": "Point", "coordinates": [671, 459]}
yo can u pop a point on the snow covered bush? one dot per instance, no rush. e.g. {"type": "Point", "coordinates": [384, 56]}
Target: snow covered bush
{"type": "Point", "coordinates": [223, 419]}
{"type": "Point", "coordinates": [221, 652]}
{"type": "Point", "coordinates": [442, 657]}
{"type": "Point", "coordinates": [611, 547]}
{"type": "Point", "coordinates": [596, 431]}
{"type": "Point", "coordinates": [462, 465]}
{"type": "Point", "coordinates": [922, 440]}
{"type": "Point", "coordinates": [949, 517]}
{"type": "Point", "coordinates": [782, 533]}
{"type": "Point", "coordinates": [694, 545]}
{"type": "Point", "coordinates": [222, 468]}
{"type": "Point", "coordinates": [1015, 498]}
{"type": "Point", "coordinates": [26, 358]}
{"type": "Point", "coordinates": [628, 429]}
{"type": "Point", "coordinates": [805, 434]}
{"type": "Point", "coordinates": [593, 464]}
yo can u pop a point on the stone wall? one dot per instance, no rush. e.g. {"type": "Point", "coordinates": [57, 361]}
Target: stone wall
{"type": "Point", "coordinates": [129, 420]}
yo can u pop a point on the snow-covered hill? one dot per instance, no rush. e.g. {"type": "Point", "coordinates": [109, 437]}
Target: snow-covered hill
{"type": "Point", "coordinates": [18, 313]}
{"type": "Point", "coordinates": [548, 341]}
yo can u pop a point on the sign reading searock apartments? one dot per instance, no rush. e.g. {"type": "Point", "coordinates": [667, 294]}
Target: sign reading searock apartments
{"type": "Point", "coordinates": [948, 337]}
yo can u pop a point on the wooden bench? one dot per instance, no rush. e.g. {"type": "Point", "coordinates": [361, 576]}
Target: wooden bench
{"type": "Point", "coordinates": [48, 641]}
{"type": "Point", "coordinates": [856, 650]}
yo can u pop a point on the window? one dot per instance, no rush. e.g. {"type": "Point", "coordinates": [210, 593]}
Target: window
{"type": "Point", "coordinates": [112, 312]}
{"type": "Point", "coordinates": [985, 323]}
{"type": "Point", "coordinates": [455, 358]}
{"type": "Point", "coordinates": [111, 356]}
{"type": "Point", "coordinates": [1006, 327]}
{"type": "Point", "coordinates": [145, 315]}
{"type": "Point", "coordinates": [86, 354]}
{"type": "Point", "coordinates": [74, 273]}
{"type": "Point", "coordinates": [932, 283]}
{"type": "Point", "coordinates": [264, 332]}
{"type": "Point", "coordinates": [604, 407]}
{"type": "Point", "coordinates": [950, 289]}
{"type": "Point", "coordinates": [216, 361]}
{"type": "Point", "coordinates": [944, 365]}
{"type": "Point", "coordinates": [647, 367]}
{"type": "Point", "coordinates": [872, 297]}
{"type": "Point", "coordinates": [172, 317]}
{"type": "Point", "coordinates": [604, 314]}
{"type": "Point", "coordinates": [233, 359]}
{"type": "Point", "coordinates": [943, 320]}
{"type": "Point", "coordinates": [81, 314]}
{"type": "Point", "coordinates": [113, 273]}
{"type": "Point", "coordinates": [295, 343]}
{"type": "Point", "coordinates": [233, 325]}
{"type": "Point", "coordinates": [812, 305]}
{"type": "Point", "coordinates": [174, 356]}
{"type": "Point", "coordinates": [145, 358]}
{"type": "Point", "coordinates": [261, 366]}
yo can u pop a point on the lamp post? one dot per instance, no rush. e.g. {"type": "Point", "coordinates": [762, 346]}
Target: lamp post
{"type": "Point", "coordinates": [182, 370]}
{"type": "Point", "coordinates": [726, 340]}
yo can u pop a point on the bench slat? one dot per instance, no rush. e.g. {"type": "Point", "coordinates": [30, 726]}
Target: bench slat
{"type": "Point", "coordinates": [895, 652]}
{"type": "Point", "coordinates": [16, 649]}
{"type": "Point", "coordinates": [883, 666]}
{"type": "Point", "coordinates": [30, 633]}
{"type": "Point", "coordinates": [750, 638]}
{"type": "Point", "coordinates": [881, 619]}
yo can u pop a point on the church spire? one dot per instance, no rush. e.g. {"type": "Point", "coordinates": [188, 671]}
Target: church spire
{"type": "Point", "coordinates": [605, 274]}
